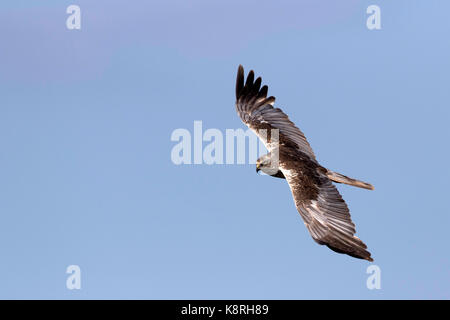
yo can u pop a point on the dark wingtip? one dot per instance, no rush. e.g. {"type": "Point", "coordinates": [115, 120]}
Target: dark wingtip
{"type": "Point", "coordinates": [369, 258]}
{"type": "Point", "coordinates": [263, 92]}
{"type": "Point", "coordinates": [239, 80]}
{"type": "Point", "coordinates": [360, 254]}
{"type": "Point", "coordinates": [251, 89]}
{"type": "Point", "coordinates": [270, 100]}
{"type": "Point", "coordinates": [256, 86]}
{"type": "Point", "coordinates": [250, 79]}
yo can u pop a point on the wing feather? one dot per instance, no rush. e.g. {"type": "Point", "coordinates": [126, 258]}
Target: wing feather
{"type": "Point", "coordinates": [256, 110]}
{"type": "Point", "coordinates": [326, 215]}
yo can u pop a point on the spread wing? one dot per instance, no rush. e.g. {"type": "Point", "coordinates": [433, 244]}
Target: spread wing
{"type": "Point", "coordinates": [323, 211]}
{"type": "Point", "coordinates": [319, 203]}
{"type": "Point", "coordinates": [256, 110]}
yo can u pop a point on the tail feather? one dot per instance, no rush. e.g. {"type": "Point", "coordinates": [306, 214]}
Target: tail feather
{"type": "Point", "coordinates": [340, 178]}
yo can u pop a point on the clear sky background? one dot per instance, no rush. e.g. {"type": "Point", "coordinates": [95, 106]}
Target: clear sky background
{"type": "Point", "coordinates": [86, 176]}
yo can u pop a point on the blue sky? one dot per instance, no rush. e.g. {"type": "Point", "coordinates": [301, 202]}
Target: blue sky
{"type": "Point", "coordinates": [87, 179]}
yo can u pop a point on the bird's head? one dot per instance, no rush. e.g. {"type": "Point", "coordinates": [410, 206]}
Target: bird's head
{"type": "Point", "coordinates": [264, 164]}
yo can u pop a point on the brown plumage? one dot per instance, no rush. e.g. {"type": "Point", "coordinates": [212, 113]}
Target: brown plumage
{"type": "Point", "coordinates": [319, 203]}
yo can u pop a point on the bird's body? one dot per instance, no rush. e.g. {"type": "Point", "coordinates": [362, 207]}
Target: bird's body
{"type": "Point", "coordinates": [319, 203]}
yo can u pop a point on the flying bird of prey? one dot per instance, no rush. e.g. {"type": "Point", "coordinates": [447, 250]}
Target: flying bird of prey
{"type": "Point", "coordinates": [319, 203]}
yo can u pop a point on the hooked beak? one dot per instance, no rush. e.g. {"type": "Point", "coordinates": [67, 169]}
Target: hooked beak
{"type": "Point", "coordinates": [257, 168]}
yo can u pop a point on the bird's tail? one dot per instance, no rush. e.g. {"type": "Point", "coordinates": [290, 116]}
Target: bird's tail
{"type": "Point", "coordinates": [340, 178]}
